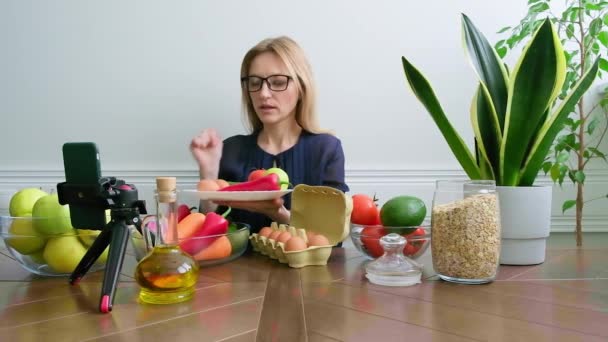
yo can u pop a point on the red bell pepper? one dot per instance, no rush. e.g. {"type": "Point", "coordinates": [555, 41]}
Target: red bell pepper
{"type": "Point", "coordinates": [269, 182]}
{"type": "Point", "coordinates": [182, 211]}
{"type": "Point", "coordinates": [214, 226]}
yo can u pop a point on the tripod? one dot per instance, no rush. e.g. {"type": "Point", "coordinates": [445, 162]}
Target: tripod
{"type": "Point", "coordinates": [125, 208]}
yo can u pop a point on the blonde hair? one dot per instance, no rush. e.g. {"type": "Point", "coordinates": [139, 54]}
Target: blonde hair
{"type": "Point", "coordinates": [301, 73]}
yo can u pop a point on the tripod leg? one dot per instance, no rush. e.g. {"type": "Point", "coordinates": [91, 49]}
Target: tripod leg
{"type": "Point", "coordinates": [98, 246]}
{"type": "Point", "coordinates": [118, 245]}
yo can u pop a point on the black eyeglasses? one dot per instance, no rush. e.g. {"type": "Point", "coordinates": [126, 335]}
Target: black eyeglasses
{"type": "Point", "coordinates": [274, 82]}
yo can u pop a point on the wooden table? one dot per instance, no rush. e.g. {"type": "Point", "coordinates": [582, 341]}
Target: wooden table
{"type": "Point", "coordinates": [255, 298]}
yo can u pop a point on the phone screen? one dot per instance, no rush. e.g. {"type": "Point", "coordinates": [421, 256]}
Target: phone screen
{"type": "Point", "coordinates": [82, 167]}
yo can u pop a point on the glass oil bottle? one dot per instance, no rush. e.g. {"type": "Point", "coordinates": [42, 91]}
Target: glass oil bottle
{"type": "Point", "coordinates": [167, 274]}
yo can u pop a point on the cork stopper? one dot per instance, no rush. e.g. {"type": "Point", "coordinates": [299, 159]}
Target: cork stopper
{"type": "Point", "coordinates": [165, 187]}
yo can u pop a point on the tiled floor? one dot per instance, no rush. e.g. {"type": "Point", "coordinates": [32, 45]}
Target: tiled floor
{"type": "Point", "coordinates": [254, 298]}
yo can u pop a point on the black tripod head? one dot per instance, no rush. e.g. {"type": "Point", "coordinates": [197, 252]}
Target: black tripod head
{"type": "Point", "coordinates": [88, 202]}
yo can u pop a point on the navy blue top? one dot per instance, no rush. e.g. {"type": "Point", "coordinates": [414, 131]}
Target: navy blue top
{"type": "Point", "coordinates": [316, 159]}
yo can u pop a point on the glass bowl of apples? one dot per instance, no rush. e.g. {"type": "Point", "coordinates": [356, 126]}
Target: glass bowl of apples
{"type": "Point", "coordinates": [31, 241]}
{"type": "Point", "coordinates": [366, 239]}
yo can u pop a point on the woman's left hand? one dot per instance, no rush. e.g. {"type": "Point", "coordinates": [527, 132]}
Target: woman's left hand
{"type": "Point", "coordinates": [272, 208]}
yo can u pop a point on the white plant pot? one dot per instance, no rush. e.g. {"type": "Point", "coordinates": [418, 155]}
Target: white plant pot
{"type": "Point", "coordinates": [525, 222]}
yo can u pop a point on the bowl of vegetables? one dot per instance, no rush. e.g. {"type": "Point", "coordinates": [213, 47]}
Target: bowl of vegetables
{"type": "Point", "coordinates": [208, 238]}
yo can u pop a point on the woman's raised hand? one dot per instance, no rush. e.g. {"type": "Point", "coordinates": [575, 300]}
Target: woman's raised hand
{"type": "Point", "coordinates": [206, 149]}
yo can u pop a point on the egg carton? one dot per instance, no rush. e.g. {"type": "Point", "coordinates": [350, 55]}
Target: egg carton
{"type": "Point", "coordinates": [313, 255]}
{"type": "Point", "coordinates": [324, 208]}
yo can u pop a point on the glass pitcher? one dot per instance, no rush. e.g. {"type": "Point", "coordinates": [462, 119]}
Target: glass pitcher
{"type": "Point", "coordinates": [466, 231]}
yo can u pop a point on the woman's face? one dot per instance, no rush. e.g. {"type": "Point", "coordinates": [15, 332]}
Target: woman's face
{"type": "Point", "coordinates": [273, 106]}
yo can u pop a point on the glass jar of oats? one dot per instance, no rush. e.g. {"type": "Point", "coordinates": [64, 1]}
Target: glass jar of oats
{"type": "Point", "coordinates": [466, 231]}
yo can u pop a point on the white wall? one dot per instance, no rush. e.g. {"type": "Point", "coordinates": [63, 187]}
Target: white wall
{"type": "Point", "coordinates": [140, 78]}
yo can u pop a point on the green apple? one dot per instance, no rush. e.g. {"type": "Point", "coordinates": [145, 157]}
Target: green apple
{"type": "Point", "coordinates": [238, 240]}
{"type": "Point", "coordinates": [50, 217]}
{"type": "Point", "coordinates": [138, 244]}
{"type": "Point", "coordinates": [23, 237]}
{"type": "Point", "coordinates": [87, 237]}
{"type": "Point", "coordinates": [23, 201]}
{"type": "Point", "coordinates": [283, 177]}
{"type": "Point", "coordinates": [63, 253]}
{"type": "Point", "coordinates": [37, 257]}
{"type": "Point", "coordinates": [103, 257]}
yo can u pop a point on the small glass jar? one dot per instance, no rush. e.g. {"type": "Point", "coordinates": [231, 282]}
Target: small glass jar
{"type": "Point", "coordinates": [466, 231]}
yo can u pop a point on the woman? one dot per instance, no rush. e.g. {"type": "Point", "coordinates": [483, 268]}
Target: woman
{"type": "Point", "coordinates": [279, 100]}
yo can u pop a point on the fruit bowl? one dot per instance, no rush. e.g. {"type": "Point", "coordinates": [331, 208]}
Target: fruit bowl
{"type": "Point", "coordinates": [367, 239]}
{"type": "Point", "coordinates": [47, 254]}
{"type": "Point", "coordinates": [216, 249]}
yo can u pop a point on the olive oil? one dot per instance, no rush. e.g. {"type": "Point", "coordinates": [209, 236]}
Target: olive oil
{"type": "Point", "coordinates": [167, 274]}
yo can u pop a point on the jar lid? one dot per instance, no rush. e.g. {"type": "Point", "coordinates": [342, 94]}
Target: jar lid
{"type": "Point", "coordinates": [393, 268]}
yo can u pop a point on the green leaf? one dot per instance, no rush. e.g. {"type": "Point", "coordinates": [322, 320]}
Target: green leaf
{"type": "Point", "coordinates": [592, 125]}
{"type": "Point", "coordinates": [484, 165]}
{"type": "Point", "coordinates": [504, 29]}
{"type": "Point", "coordinates": [603, 38]}
{"type": "Point", "coordinates": [597, 152]}
{"type": "Point", "coordinates": [425, 94]}
{"type": "Point", "coordinates": [546, 167]}
{"type": "Point", "coordinates": [567, 205]}
{"type": "Point", "coordinates": [555, 172]}
{"type": "Point", "coordinates": [592, 7]}
{"type": "Point", "coordinates": [534, 85]}
{"type": "Point", "coordinates": [538, 8]}
{"type": "Point", "coordinates": [533, 1]}
{"type": "Point", "coordinates": [486, 129]}
{"type": "Point", "coordinates": [563, 171]}
{"type": "Point", "coordinates": [553, 126]}
{"type": "Point", "coordinates": [574, 13]}
{"type": "Point", "coordinates": [595, 26]}
{"type": "Point", "coordinates": [571, 176]}
{"type": "Point", "coordinates": [579, 176]}
{"type": "Point", "coordinates": [570, 31]}
{"type": "Point", "coordinates": [563, 157]}
{"type": "Point", "coordinates": [502, 52]}
{"type": "Point", "coordinates": [489, 67]}
{"type": "Point", "coordinates": [569, 140]}
{"type": "Point", "coordinates": [605, 19]}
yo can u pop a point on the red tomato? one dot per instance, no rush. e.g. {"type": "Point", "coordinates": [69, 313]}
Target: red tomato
{"type": "Point", "coordinates": [412, 247]}
{"type": "Point", "coordinates": [255, 174]}
{"type": "Point", "coordinates": [365, 211]}
{"type": "Point", "coordinates": [370, 237]}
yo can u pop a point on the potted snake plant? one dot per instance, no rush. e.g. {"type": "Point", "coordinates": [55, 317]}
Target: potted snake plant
{"type": "Point", "coordinates": [515, 118]}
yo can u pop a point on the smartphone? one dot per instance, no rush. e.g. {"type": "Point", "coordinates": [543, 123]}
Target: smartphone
{"type": "Point", "coordinates": [83, 167]}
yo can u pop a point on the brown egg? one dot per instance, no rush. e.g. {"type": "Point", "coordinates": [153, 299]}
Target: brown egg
{"type": "Point", "coordinates": [318, 240]}
{"type": "Point", "coordinates": [274, 235]}
{"type": "Point", "coordinates": [296, 243]}
{"type": "Point", "coordinates": [265, 231]}
{"type": "Point", "coordinates": [221, 183]}
{"type": "Point", "coordinates": [309, 234]}
{"type": "Point", "coordinates": [207, 185]}
{"type": "Point", "coordinates": [284, 237]}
